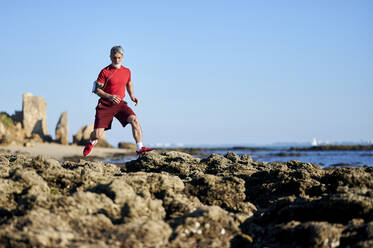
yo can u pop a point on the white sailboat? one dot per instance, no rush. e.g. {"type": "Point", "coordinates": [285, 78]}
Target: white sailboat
{"type": "Point", "coordinates": [314, 142]}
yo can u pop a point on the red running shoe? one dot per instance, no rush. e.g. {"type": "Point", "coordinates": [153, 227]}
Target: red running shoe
{"type": "Point", "coordinates": [143, 150]}
{"type": "Point", "coordinates": [88, 147]}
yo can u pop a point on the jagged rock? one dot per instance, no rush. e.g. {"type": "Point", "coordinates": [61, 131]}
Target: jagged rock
{"type": "Point", "coordinates": [36, 138]}
{"type": "Point", "coordinates": [125, 145]}
{"type": "Point", "coordinates": [38, 228]}
{"type": "Point", "coordinates": [11, 140]}
{"type": "Point", "coordinates": [359, 233]}
{"type": "Point", "coordinates": [168, 188]}
{"type": "Point", "coordinates": [132, 206]}
{"type": "Point", "coordinates": [11, 133]}
{"type": "Point", "coordinates": [308, 234]}
{"type": "Point", "coordinates": [178, 163]}
{"type": "Point", "coordinates": [34, 115]}
{"type": "Point", "coordinates": [144, 233]}
{"type": "Point", "coordinates": [2, 129]}
{"type": "Point", "coordinates": [48, 138]}
{"type": "Point", "coordinates": [206, 227]}
{"type": "Point", "coordinates": [62, 130]}
{"type": "Point", "coordinates": [26, 127]}
{"type": "Point", "coordinates": [4, 162]}
{"type": "Point", "coordinates": [172, 199]}
{"type": "Point", "coordinates": [226, 192]}
{"type": "Point", "coordinates": [29, 144]}
{"type": "Point", "coordinates": [276, 180]}
{"type": "Point", "coordinates": [103, 143]}
{"type": "Point", "coordinates": [229, 164]}
{"type": "Point", "coordinates": [83, 135]}
{"type": "Point", "coordinates": [17, 117]}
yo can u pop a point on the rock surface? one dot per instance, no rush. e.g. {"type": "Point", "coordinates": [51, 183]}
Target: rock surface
{"type": "Point", "coordinates": [28, 127]}
{"type": "Point", "coordinates": [62, 130]}
{"type": "Point", "coordinates": [34, 115]}
{"type": "Point", "coordinates": [172, 199]}
{"type": "Point", "coordinates": [11, 132]}
{"type": "Point", "coordinates": [125, 145]}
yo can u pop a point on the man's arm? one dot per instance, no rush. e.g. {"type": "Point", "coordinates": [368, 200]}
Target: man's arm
{"type": "Point", "coordinates": [129, 87]}
{"type": "Point", "coordinates": [103, 94]}
{"type": "Point", "coordinates": [99, 84]}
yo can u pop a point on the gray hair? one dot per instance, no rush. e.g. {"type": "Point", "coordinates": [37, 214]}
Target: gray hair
{"type": "Point", "coordinates": [116, 49]}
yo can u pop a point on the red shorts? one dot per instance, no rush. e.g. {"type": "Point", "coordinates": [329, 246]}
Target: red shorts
{"type": "Point", "coordinates": [105, 113]}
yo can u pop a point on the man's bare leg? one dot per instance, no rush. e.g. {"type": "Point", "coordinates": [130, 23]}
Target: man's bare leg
{"type": "Point", "coordinates": [136, 128]}
{"type": "Point", "coordinates": [97, 133]}
{"type": "Point", "coordinates": [137, 135]}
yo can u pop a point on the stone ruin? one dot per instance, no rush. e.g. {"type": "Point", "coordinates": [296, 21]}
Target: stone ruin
{"type": "Point", "coordinates": [62, 129]}
{"type": "Point", "coordinates": [34, 115]}
{"type": "Point", "coordinates": [29, 126]}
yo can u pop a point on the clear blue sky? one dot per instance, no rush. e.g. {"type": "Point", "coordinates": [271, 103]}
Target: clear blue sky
{"type": "Point", "coordinates": [205, 72]}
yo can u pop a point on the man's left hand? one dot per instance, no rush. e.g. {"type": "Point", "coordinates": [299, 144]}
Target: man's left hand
{"type": "Point", "coordinates": [135, 100]}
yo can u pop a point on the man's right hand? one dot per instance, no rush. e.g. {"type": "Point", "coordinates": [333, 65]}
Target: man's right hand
{"type": "Point", "coordinates": [114, 99]}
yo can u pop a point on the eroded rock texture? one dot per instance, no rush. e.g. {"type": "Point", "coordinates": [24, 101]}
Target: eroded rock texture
{"type": "Point", "coordinates": [34, 115]}
{"type": "Point", "coordinates": [62, 129]}
{"type": "Point", "coordinates": [173, 199]}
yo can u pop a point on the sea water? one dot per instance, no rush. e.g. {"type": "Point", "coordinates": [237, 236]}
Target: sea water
{"type": "Point", "coordinates": [283, 154]}
{"type": "Point", "coordinates": [322, 158]}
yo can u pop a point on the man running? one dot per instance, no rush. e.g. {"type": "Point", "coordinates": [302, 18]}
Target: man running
{"type": "Point", "coordinates": [111, 86]}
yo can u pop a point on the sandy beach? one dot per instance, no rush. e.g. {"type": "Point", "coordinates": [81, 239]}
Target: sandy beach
{"type": "Point", "coordinates": [59, 152]}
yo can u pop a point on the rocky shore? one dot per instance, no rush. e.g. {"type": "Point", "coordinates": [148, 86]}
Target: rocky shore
{"type": "Point", "coordinates": [172, 199]}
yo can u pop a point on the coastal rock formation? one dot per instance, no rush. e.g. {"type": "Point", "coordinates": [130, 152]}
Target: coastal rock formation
{"type": "Point", "coordinates": [62, 130]}
{"type": "Point", "coordinates": [26, 127]}
{"type": "Point", "coordinates": [172, 199]}
{"type": "Point", "coordinates": [11, 132]}
{"type": "Point", "coordinates": [83, 135]}
{"type": "Point", "coordinates": [34, 115]}
{"type": "Point", "coordinates": [125, 145]}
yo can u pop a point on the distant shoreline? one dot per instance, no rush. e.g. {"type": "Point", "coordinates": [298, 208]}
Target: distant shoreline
{"type": "Point", "coordinates": [334, 148]}
{"type": "Point", "coordinates": [197, 150]}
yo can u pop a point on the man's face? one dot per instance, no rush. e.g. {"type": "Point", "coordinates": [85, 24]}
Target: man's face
{"type": "Point", "coordinates": [117, 58]}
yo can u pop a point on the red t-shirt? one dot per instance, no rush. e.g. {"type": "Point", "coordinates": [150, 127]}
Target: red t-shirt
{"type": "Point", "coordinates": [114, 81]}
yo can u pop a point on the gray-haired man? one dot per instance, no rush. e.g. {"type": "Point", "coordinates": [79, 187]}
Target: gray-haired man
{"type": "Point", "coordinates": [111, 86]}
